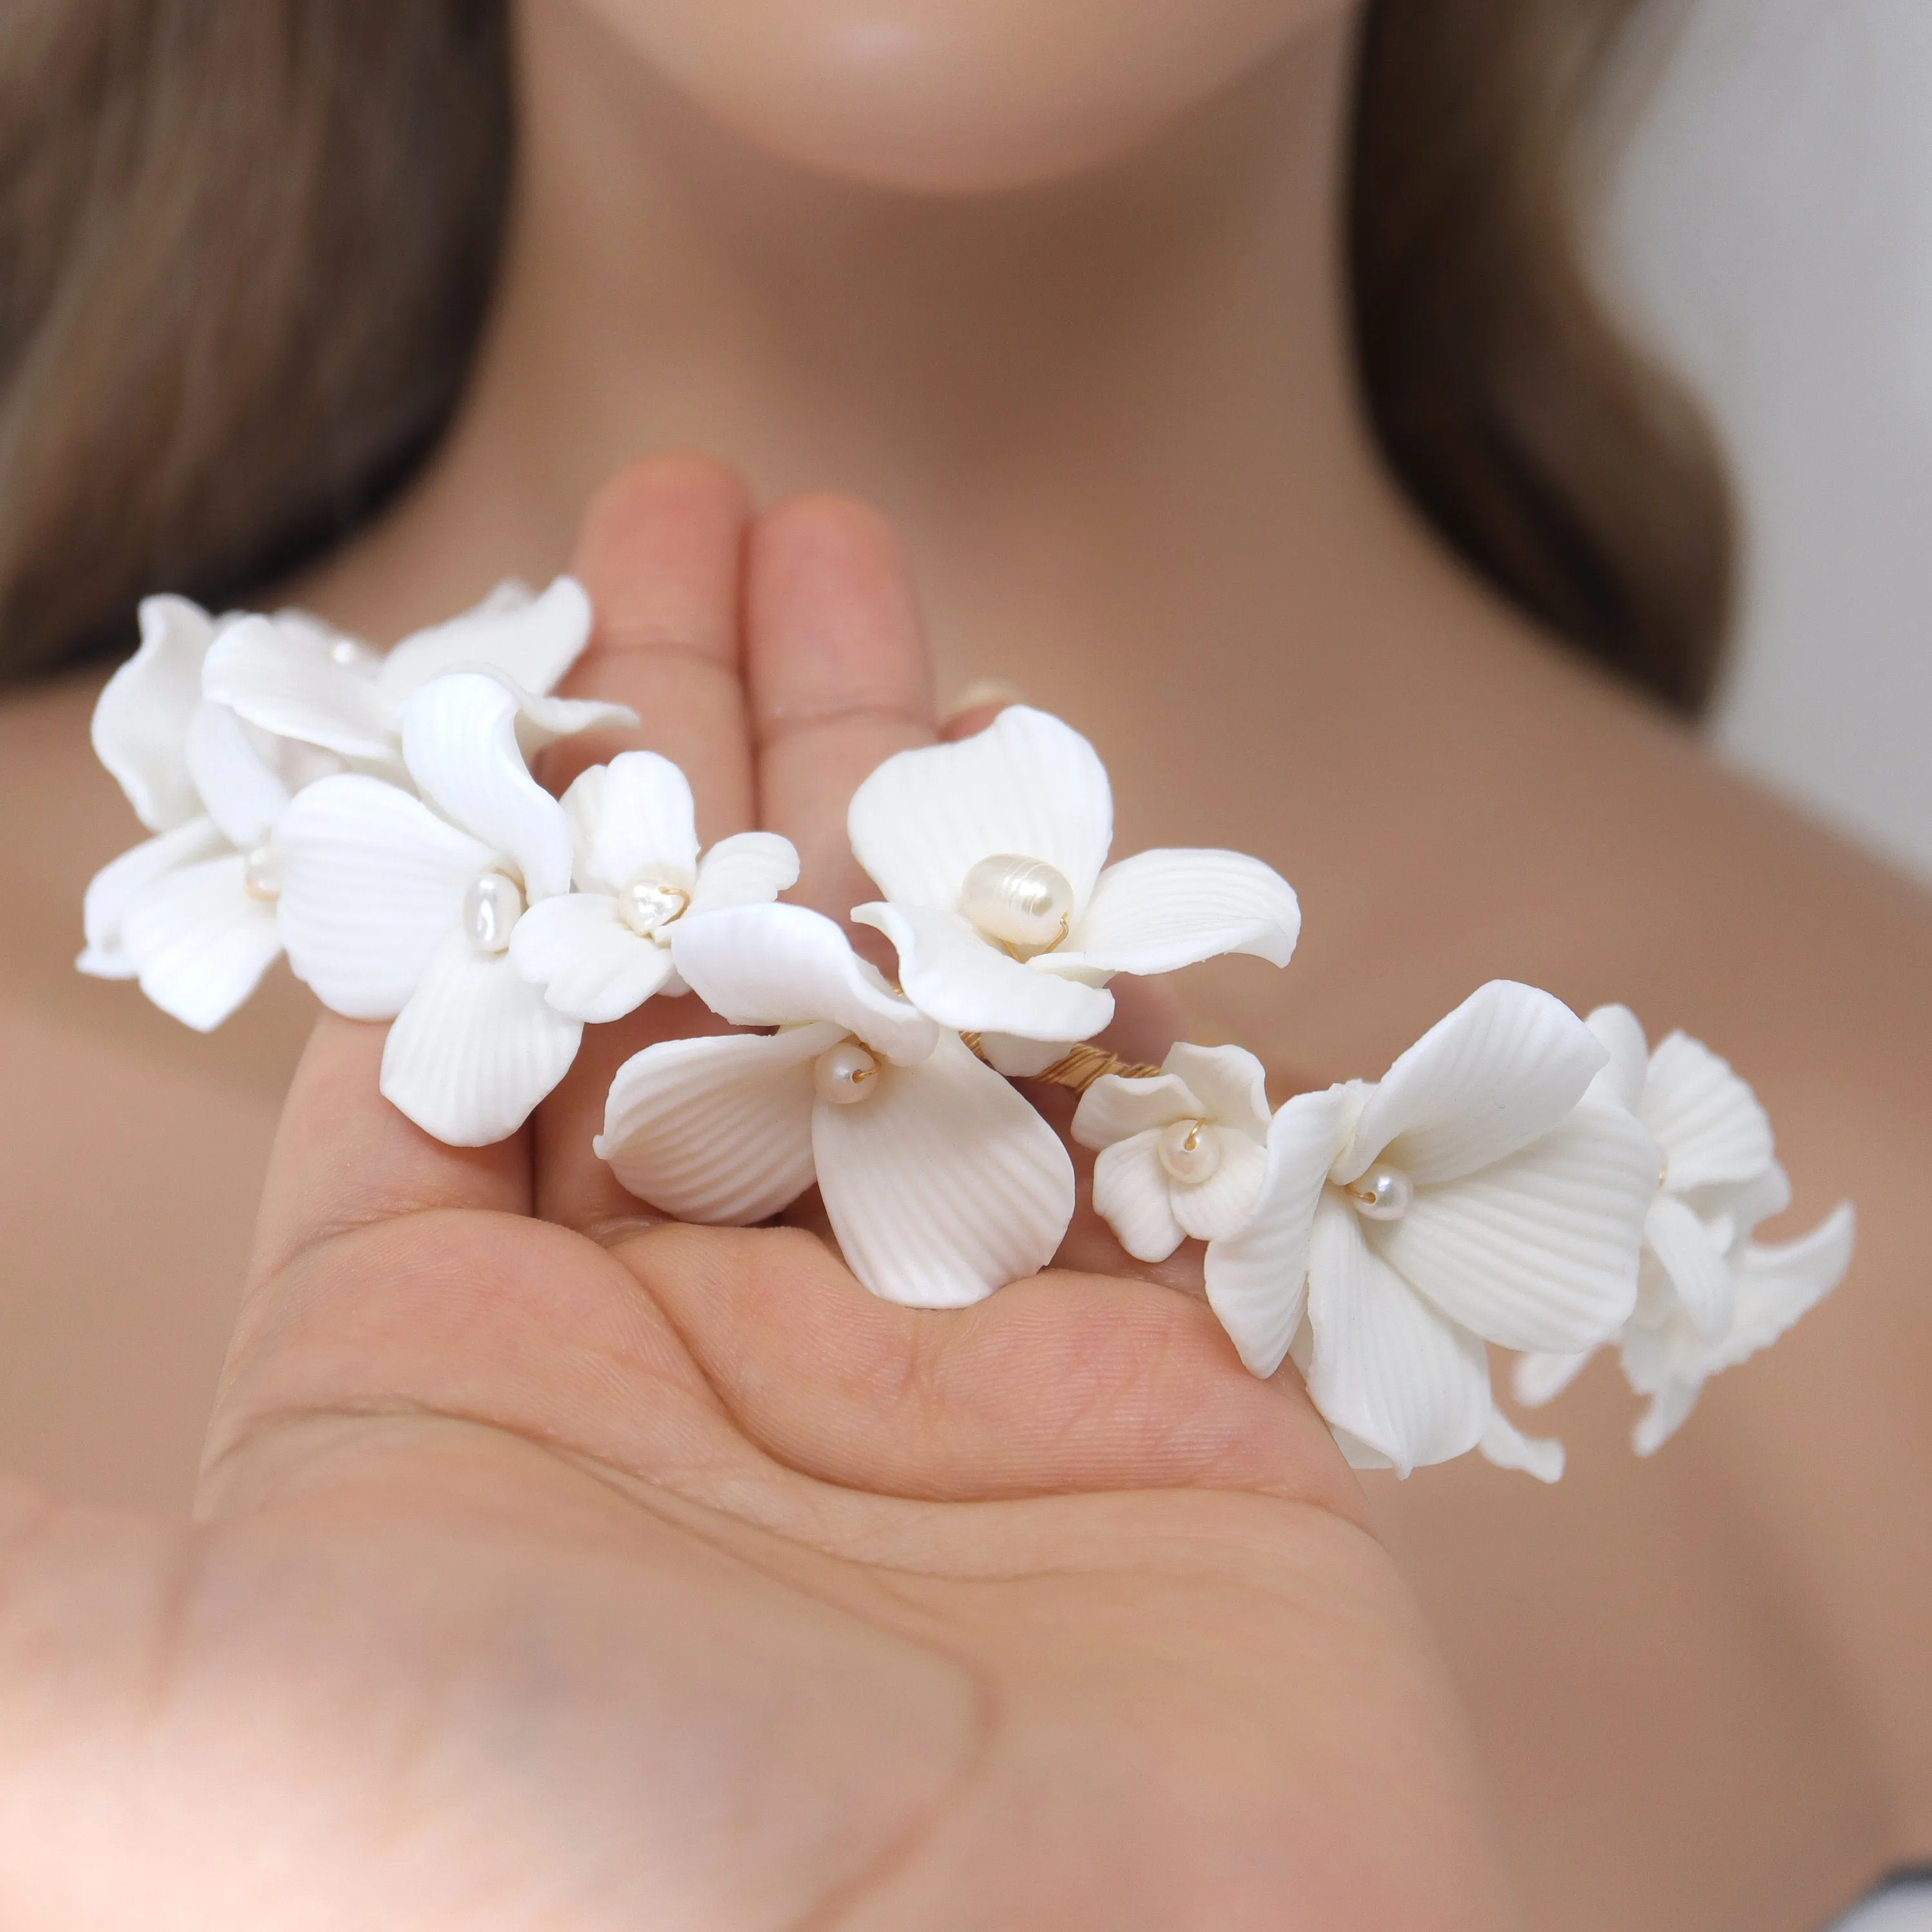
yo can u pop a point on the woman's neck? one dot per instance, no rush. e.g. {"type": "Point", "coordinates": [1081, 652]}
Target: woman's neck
{"type": "Point", "coordinates": [1113, 417]}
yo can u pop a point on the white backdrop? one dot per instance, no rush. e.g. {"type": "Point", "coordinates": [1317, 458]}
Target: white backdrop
{"type": "Point", "coordinates": [1770, 227]}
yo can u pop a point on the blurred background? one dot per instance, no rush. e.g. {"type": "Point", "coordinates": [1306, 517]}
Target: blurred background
{"type": "Point", "coordinates": [1769, 226]}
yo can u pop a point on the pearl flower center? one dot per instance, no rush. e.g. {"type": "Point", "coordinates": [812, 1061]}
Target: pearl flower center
{"type": "Point", "coordinates": [261, 874]}
{"type": "Point", "coordinates": [1383, 1194]}
{"type": "Point", "coordinates": [1190, 1152]}
{"type": "Point", "coordinates": [648, 905]}
{"type": "Point", "coordinates": [846, 1075]}
{"type": "Point", "coordinates": [1023, 904]}
{"type": "Point", "coordinates": [491, 908]}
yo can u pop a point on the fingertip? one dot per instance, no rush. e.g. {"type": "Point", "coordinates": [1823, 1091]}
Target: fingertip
{"type": "Point", "coordinates": [652, 506]}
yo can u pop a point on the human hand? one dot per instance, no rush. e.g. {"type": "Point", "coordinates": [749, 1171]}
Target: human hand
{"type": "Point", "coordinates": [557, 1567]}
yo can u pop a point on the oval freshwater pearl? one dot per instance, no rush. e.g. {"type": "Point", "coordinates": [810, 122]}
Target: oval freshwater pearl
{"type": "Point", "coordinates": [647, 905]}
{"type": "Point", "coordinates": [491, 908]}
{"type": "Point", "coordinates": [1023, 903]}
{"type": "Point", "coordinates": [1383, 1194]}
{"type": "Point", "coordinates": [261, 874]}
{"type": "Point", "coordinates": [1190, 1152]}
{"type": "Point", "coordinates": [845, 1075]}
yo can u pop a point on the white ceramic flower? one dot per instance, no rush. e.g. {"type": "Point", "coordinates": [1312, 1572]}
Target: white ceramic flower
{"type": "Point", "coordinates": [1181, 1157]}
{"type": "Point", "coordinates": [295, 676]}
{"type": "Point", "coordinates": [394, 907]}
{"type": "Point", "coordinates": [190, 912]}
{"type": "Point", "coordinates": [990, 853]}
{"type": "Point", "coordinates": [1709, 1296]}
{"type": "Point", "coordinates": [1477, 1194]}
{"type": "Point", "coordinates": [602, 951]}
{"type": "Point", "coordinates": [940, 1182]}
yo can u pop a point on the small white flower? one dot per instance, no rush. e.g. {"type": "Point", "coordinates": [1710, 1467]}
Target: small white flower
{"type": "Point", "coordinates": [1477, 1194]}
{"type": "Point", "coordinates": [940, 1182]}
{"type": "Point", "coordinates": [1181, 1157]}
{"type": "Point", "coordinates": [189, 912]}
{"type": "Point", "coordinates": [295, 676]}
{"type": "Point", "coordinates": [394, 907]}
{"type": "Point", "coordinates": [602, 951]}
{"type": "Point", "coordinates": [1709, 1297]}
{"type": "Point", "coordinates": [990, 853]}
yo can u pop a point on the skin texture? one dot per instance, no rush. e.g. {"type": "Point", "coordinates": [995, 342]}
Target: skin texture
{"type": "Point", "coordinates": [579, 1571]}
{"type": "Point", "coordinates": [1111, 416]}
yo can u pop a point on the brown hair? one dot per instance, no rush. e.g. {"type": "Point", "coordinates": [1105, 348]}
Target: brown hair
{"type": "Point", "coordinates": [245, 252]}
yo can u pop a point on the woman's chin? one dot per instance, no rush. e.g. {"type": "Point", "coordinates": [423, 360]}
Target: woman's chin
{"type": "Point", "coordinates": [943, 97]}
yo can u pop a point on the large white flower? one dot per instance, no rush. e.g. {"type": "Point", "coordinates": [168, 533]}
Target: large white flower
{"type": "Point", "coordinates": [990, 853]}
{"type": "Point", "coordinates": [190, 912]}
{"type": "Point", "coordinates": [1181, 1156]}
{"type": "Point", "coordinates": [394, 907]}
{"type": "Point", "coordinates": [1709, 1296]}
{"type": "Point", "coordinates": [602, 951]}
{"type": "Point", "coordinates": [295, 676]}
{"type": "Point", "coordinates": [1477, 1194]}
{"type": "Point", "coordinates": [940, 1182]}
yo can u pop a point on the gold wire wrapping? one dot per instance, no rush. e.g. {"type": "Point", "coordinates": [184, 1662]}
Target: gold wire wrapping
{"type": "Point", "coordinates": [1079, 1066]}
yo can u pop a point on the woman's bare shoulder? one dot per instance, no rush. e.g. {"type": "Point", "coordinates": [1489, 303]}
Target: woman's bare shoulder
{"type": "Point", "coordinates": [131, 1150]}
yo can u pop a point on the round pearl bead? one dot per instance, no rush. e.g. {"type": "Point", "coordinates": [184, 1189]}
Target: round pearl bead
{"type": "Point", "coordinates": [1190, 1152]}
{"type": "Point", "coordinates": [491, 908]}
{"type": "Point", "coordinates": [648, 905]}
{"type": "Point", "coordinates": [846, 1075]}
{"type": "Point", "coordinates": [1383, 1194]}
{"type": "Point", "coordinates": [261, 874]}
{"type": "Point", "coordinates": [1023, 903]}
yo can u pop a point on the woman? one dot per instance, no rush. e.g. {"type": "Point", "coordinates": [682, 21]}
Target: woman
{"type": "Point", "coordinates": [1063, 290]}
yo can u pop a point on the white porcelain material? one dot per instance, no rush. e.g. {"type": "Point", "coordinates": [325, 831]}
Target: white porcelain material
{"type": "Point", "coordinates": [990, 855]}
{"type": "Point", "coordinates": [1710, 1296]}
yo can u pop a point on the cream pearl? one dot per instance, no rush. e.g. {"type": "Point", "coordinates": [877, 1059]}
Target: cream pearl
{"type": "Point", "coordinates": [261, 874]}
{"type": "Point", "coordinates": [1383, 1194]}
{"type": "Point", "coordinates": [648, 905]}
{"type": "Point", "coordinates": [1190, 1152]}
{"type": "Point", "coordinates": [846, 1075]}
{"type": "Point", "coordinates": [491, 908]}
{"type": "Point", "coordinates": [1023, 903]}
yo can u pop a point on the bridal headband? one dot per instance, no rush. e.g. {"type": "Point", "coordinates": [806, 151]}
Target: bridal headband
{"type": "Point", "coordinates": [1519, 1176]}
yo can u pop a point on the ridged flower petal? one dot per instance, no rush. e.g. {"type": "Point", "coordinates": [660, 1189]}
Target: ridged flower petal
{"type": "Point", "coordinates": [532, 640]}
{"type": "Point", "coordinates": [779, 965]}
{"type": "Point", "coordinates": [1116, 1108]}
{"type": "Point", "coordinates": [474, 1049]}
{"type": "Point", "coordinates": [1027, 785]}
{"type": "Point", "coordinates": [590, 964]}
{"type": "Point", "coordinates": [141, 719]}
{"type": "Point", "coordinates": [1541, 1376]}
{"type": "Point", "coordinates": [945, 1185]}
{"type": "Point", "coordinates": [1499, 1072]}
{"type": "Point", "coordinates": [201, 944]}
{"type": "Point", "coordinates": [1695, 1260]}
{"type": "Point", "coordinates": [1387, 1367]}
{"type": "Point", "coordinates": [1707, 1122]}
{"type": "Point", "coordinates": [460, 743]}
{"type": "Point", "coordinates": [1539, 1251]}
{"type": "Point", "coordinates": [717, 1130]}
{"type": "Point", "coordinates": [299, 681]}
{"type": "Point", "coordinates": [1620, 1033]}
{"type": "Point", "coordinates": [373, 882]}
{"type": "Point", "coordinates": [1212, 1209]}
{"type": "Point", "coordinates": [1161, 911]}
{"type": "Point", "coordinates": [634, 813]}
{"type": "Point", "coordinates": [121, 881]}
{"type": "Point", "coordinates": [747, 868]}
{"type": "Point", "coordinates": [1131, 1194]}
{"type": "Point", "coordinates": [1508, 1447]}
{"type": "Point", "coordinates": [243, 795]}
{"type": "Point", "coordinates": [950, 972]}
{"type": "Point", "coordinates": [1777, 1284]}
{"type": "Point", "coordinates": [1258, 1277]}
{"type": "Point", "coordinates": [1231, 1083]}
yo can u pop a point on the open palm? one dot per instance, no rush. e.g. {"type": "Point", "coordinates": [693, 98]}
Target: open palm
{"type": "Point", "coordinates": [560, 1568]}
